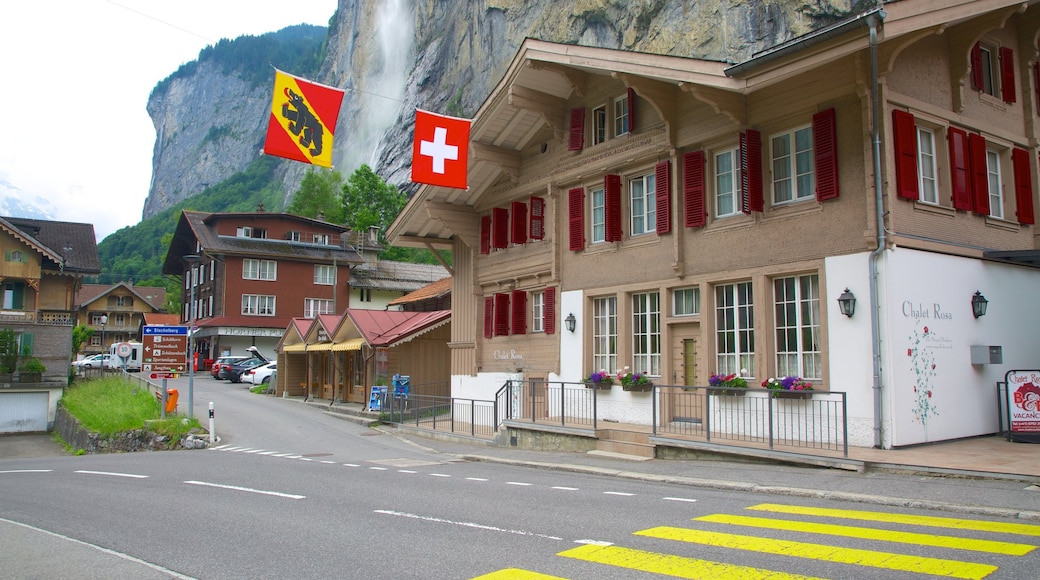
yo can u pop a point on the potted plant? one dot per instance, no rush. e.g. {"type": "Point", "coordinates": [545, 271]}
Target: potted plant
{"type": "Point", "coordinates": [31, 370]}
{"type": "Point", "coordinates": [733, 385]}
{"type": "Point", "coordinates": [600, 379]}
{"type": "Point", "coordinates": [634, 381]}
{"type": "Point", "coordinates": [789, 387]}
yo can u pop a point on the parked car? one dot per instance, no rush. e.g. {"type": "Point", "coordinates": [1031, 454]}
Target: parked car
{"type": "Point", "coordinates": [92, 362]}
{"type": "Point", "coordinates": [260, 375]}
{"type": "Point", "coordinates": [235, 370]}
{"type": "Point", "coordinates": [222, 363]}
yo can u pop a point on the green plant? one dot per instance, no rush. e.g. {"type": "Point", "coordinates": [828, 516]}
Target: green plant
{"type": "Point", "coordinates": [629, 379]}
{"type": "Point", "coordinates": [8, 350]}
{"type": "Point", "coordinates": [32, 365]}
{"type": "Point", "coordinates": [600, 376]}
{"type": "Point", "coordinates": [731, 381]}
{"type": "Point", "coordinates": [112, 405]}
{"type": "Point", "coordinates": [789, 383]}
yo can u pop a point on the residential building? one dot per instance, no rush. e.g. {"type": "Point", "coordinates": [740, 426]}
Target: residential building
{"type": "Point", "coordinates": [375, 284]}
{"type": "Point", "coordinates": [695, 217]}
{"type": "Point", "coordinates": [43, 266]}
{"type": "Point", "coordinates": [247, 275]}
{"type": "Point", "coordinates": [121, 306]}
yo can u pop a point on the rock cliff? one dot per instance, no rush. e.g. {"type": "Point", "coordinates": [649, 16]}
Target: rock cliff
{"type": "Point", "coordinates": [444, 56]}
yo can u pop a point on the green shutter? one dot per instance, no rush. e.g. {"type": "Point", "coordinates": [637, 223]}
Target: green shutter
{"type": "Point", "coordinates": [25, 344]}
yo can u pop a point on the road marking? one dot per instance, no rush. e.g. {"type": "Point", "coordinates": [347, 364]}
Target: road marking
{"type": "Point", "coordinates": [477, 479]}
{"type": "Point", "coordinates": [465, 524]}
{"type": "Point", "coordinates": [1009, 548]}
{"type": "Point", "coordinates": [439, 475]}
{"type": "Point", "coordinates": [247, 489]}
{"type": "Point", "coordinates": [375, 468]}
{"type": "Point", "coordinates": [669, 565]}
{"type": "Point", "coordinates": [268, 453]}
{"type": "Point", "coordinates": [516, 574]}
{"type": "Point", "coordinates": [27, 471]}
{"type": "Point", "coordinates": [126, 557]}
{"type": "Point", "coordinates": [561, 488]}
{"type": "Point", "coordinates": [825, 553]}
{"type": "Point", "coordinates": [351, 465]}
{"type": "Point", "coordinates": [686, 499]}
{"type": "Point", "coordinates": [931, 521]}
{"type": "Point", "coordinates": [283, 455]}
{"type": "Point", "coordinates": [406, 471]}
{"type": "Point", "coordinates": [219, 447]}
{"type": "Point", "coordinates": [113, 474]}
{"type": "Point", "coordinates": [621, 493]}
{"type": "Point", "coordinates": [517, 483]}
{"type": "Point", "coordinates": [254, 451]}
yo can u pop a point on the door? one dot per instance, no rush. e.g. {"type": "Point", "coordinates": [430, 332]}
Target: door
{"type": "Point", "coordinates": [23, 412]}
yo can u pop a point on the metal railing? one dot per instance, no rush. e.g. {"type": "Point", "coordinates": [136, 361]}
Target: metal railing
{"type": "Point", "coordinates": [471, 417]}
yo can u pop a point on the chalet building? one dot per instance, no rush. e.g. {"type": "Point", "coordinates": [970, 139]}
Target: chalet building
{"type": "Point", "coordinates": [375, 284]}
{"type": "Point", "coordinates": [247, 275]}
{"type": "Point", "coordinates": [690, 217]}
{"type": "Point", "coordinates": [43, 266]}
{"type": "Point", "coordinates": [115, 312]}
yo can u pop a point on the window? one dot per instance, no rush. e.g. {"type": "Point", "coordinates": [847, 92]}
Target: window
{"type": "Point", "coordinates": [927, 180]}
{"type": "Point", "coordinates": [212, 270]}
{"type": "Point", "coordinates": [734, 328]}
{"type": "Point", "coordinates": [259, 269]}
{"type": "Point", "coordinates": [95, 319]}
{"type": "Point", "coordinates": [321, 239]}
{"type": "Point", "coordinates": [644, 204]}
{"type": "Point", "coordinates": [95, 340]}
{"type": "Point", "coordinates": [646, 333]}
{"type": "Point", "coordinates": [598, 211]}
{"type": "Point", "coordinates": [797, 301]}
{"type": "Point", "coordinates": [621, 120]}
{"type": "Point", "coordinates": [599, 124]}
{"type": "Point", "coordinates": [209, 308]}
{"type": "Point", "coordinates": [312, 307]}
{"type": "Point", "coordinates": [995, 183]}
{"type": "Point", "coordinates": [244, 232]}
{"type": "Point", "coordinates": [365, 294]}
{"type": "Point", "coordinates": [293, 236]}
{"type": "Point", "coordinates": [16, 256]}
{"type": "Point", "coordinates": [727, 183]}
{"type": "Point", "coordinates": [124, 300]}
{"type": "Point", "coordinates": [986, 59]}
{"type": "Point", "coordinates": [257, 305]}
{"type": "Point", "coordinates": [538, 312]}
{"type": "Point", "coordinates": [118, 319]}
{"type": "Point", "coordinates": [324, 275]}
{"type": "Point", "coordinates": [604, 334]}
{"type": "Point", "coordinates": [792, 155]}
{"type": "Point", "coordinates": [686, 301]}
{"type": "Point", "coordinates": [260, 233]}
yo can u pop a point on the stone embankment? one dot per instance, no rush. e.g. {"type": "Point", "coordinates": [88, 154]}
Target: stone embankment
{"type": "Point", "coordinates": [77, 437]}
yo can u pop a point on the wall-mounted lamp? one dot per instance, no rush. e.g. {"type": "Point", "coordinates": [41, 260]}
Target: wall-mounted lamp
{"type": "Point", "coordinates": [978, 304]}
{"type": "Point", "coordinates": [570, 322]}
{"type": "Point", "coordinates": [847, 303]}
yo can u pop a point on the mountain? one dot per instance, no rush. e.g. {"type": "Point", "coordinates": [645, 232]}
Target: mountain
{"type": "Point", "coordinates": [440, 55]}
{"type": "Point", "coordinates": [15, 202]}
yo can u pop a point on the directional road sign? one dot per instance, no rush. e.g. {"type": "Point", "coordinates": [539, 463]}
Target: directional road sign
{"type": "Point", "coordinates": [165, 349]}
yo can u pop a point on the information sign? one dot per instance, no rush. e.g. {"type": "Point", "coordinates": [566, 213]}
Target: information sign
{"type": "Point", "coordinates": [165, 350]}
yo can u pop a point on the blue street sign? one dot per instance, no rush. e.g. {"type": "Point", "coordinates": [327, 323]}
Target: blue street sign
{"type": "Point", "coordinates": [162, 330]}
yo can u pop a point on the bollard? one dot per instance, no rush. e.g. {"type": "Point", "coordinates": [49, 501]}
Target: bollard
{"type": "Point", "coordinates": [212, 433]}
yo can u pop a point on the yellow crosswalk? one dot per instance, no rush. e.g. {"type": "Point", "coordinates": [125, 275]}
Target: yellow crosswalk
{"type": "Point", "coordinates": [803, 520]}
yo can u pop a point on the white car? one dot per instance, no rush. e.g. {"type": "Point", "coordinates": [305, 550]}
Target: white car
{"type": "Point", "coordinates": [92, 362]}
{"type": "Point", "coordinates": [260, 375]}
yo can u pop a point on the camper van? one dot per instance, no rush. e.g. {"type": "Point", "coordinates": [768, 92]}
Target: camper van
{"type": "Point", "coordinates": [132, 362]}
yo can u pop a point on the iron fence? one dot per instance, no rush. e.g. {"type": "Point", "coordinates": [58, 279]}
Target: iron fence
{"type": "Point", "coordinates": [450, 414]}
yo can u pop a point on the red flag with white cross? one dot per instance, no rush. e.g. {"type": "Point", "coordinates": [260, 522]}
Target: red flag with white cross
{"type": "Point", "coordinates": [440, 151]}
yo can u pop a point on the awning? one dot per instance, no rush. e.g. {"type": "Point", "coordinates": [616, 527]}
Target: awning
{"type": "Point", "coordinates": [301, 347]}
{"type": "Point", "coordinates": [351, 344]}
{"type": "Point", "coordinates": [319, 346]}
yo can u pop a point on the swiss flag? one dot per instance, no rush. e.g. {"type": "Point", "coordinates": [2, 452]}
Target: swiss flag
{"type": "Point", "coordinates": [440, 151]}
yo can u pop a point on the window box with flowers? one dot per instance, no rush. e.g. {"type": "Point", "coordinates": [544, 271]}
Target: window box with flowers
{"type": "Point", "coordinates": [789, 388]}
{"type": "Point", "coordinates": [732, 385]}
{"type": "Point", "coordinates": [638, 382]}
{"type": "Point", "coordinates": [600, 379]}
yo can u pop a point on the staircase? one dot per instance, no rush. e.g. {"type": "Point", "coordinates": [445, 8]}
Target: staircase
{"type": "Point", "coordinates": [619, 444]}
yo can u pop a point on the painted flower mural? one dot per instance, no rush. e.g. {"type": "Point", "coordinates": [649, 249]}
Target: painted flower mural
{"type": "Point", "coordinates": [922, 365]}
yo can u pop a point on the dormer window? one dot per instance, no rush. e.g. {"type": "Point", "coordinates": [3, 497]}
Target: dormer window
{"type": "Point", "coordinates": [321, 239]}
{"type": "Point", "coordinates": [244, 232]}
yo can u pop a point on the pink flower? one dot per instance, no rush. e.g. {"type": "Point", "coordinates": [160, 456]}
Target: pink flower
{"type": "Point", "coordinates": [909, 352]}
{"type": "Point", "coordinates": [929, 394]}
{"type": "Point", "coordinates": [926, 330]}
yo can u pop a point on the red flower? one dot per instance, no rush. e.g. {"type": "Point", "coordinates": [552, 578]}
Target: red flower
{"type": "Point", "coordinates": [929, 394]}
{"type": "Point", "coordinates": [909, 352]}
{"type": "Point", "coordinates": [926, 330]}
{"type": "Point", "coordinates": [933, 366]}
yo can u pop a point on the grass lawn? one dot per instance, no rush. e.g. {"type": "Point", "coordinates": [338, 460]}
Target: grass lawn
{"type": "Point", "coordinates": [111, 405]}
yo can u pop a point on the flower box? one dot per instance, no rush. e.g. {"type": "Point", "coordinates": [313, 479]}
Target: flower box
{"type": "Point", "coordinates": [801, 395]}
{"type": "Point", "coordinates": [639, 387]}
{"type": "Point", "coordinates": [604, 385]}
{"type": "Point", "coordinates": [719, 392]}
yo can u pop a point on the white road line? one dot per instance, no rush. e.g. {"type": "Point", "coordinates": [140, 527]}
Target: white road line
{"type": "Point", "coordinates": [126, 557]}
{"type": "Point", "coordinates": [254, 451]}
{"type": "Point", "coordinates": [406, 471]}
{"type": "Point", "coordinates": [219, 447]}
{"type": "Point", "coordinates": [465, 524]}
{"type": "Point", "coordinates": [329, 462]}
{"type": "Point", "coordinates": [248, 489]}
{"type": "Point", "coordinates": [243, 450]}
{"type": "Point", "coordinates": [618, 493]}
{"type": "Point", "coordinates": [231, 448]}
{"type": "Point", "coordinates": [268, 453]}
{"type": "Point", "coordinates": [439, 475]}
{"type": "Point", "coordinates": [516, 483]}
{"type": "Point", "coordinates": [113, 474]}
{"type": "Point", "coordinates": [565, 488]}
{"type": "Point", "coordinates": [292, 456]}
{"type": "Point", "coordinates": [477, 478]}
{"type": "Point", "coordinates": [594, 542]}
{"type": "Point", "coordinates": [679, 499]}
{"type": "Point", "coordinates": [283, 455]}
{"type": "Point", "coordinates": [302, 458]}
{"type": "Point", "coordinates": [28, 471]}
{"type": "Point", "coordinates": [351, 465]}
{"type": "Point", "coordinates": [374, 468]}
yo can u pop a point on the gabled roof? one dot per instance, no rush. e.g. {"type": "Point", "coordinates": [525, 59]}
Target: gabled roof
{"type": "Point", "coordinates": [66, 246]}
{"type": "Point", "coordinates": [150, 295]}
{"type": "Point", "coordinates": [395, 276]}
{"type": "Point", "coordinates": [383, 328]}
{"type": "Point", "coordinates": [437, 289]}
{"type": "Point", "coordinates": [294, 333]}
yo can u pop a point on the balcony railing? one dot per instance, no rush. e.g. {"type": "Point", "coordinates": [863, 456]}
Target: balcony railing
{"type": "Point", "coordinates": [49, 317]}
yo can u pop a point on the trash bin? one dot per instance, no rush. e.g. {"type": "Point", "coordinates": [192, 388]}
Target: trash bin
{"type": "Point", "coordinates": [171, 399]}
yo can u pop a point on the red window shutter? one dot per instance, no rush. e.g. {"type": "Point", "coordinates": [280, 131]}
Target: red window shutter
{"type": "Point", "coordinates": [976, 67]}
{"type": "Point", "coordinates": [904, 131]}
{"type": "Point", "coordinates": [501, 314]}
{"type": "Point", "coordinates": [576, 218]}
{"type": "Point", "coordinates": [663, 186]}
{"type": "Point", "coordinates": [1007, 75]}
{"type": "Point", "coordinates": [612, 211]}
{"type": "Point", "coordinates": [631, 110]}
{"type": "Point", "coordinates": [960, 179]}
{"type": "Point", "coordinates": [751, 171]}
{"type": "Point", "coordinates": [485, 235]}
{"type": "Point", "coordinates": [825, 154]}
{"type": "Point", "coordinates": [693, 189]}
{"type": "Point", "coordinates": [489, 317]}
{"type": "Point", "coordinates": [1023, 185]}
{"type": "Point", "coordinates": [519, 312]}
{"type": "Point", "coordinates": [518, 233]}
{"type": "Point", "coordinates": [499, 228]}
{"type": "Point", "coordinates": [576, 138]}
{"type": "Point", "coordinates": [549, 324]}
{"type": "Point", "coordinates": [978, 172]}
{"type": "Point", "coordinates": [537, 218]}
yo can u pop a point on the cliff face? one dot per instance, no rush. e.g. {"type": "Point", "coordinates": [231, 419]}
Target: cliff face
{"type": "Point", "coordinates": [444, 56]}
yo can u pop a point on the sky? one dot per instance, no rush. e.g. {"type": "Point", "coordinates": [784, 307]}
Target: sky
{"type": "Point", "coordinates": [75, 139]}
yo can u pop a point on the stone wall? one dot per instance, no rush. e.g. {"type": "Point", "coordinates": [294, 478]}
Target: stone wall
{"type": "Point", "coordinates": [77, 437]}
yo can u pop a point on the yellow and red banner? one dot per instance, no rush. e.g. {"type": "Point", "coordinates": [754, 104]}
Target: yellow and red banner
{"type": "Point", "coordinates": [303, 120]}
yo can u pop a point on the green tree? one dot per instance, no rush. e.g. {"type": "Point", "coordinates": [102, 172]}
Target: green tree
{"type": "Point", "coordinates": [369, 201]}
{"type": "Point", "coordinates": [81, 333]}
{"type": "Point", "coordinates": [319, 192]}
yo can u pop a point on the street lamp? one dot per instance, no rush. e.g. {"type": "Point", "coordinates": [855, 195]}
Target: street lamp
{"type": "Point", "coordinates": [104, 321]}
{"type": "Point", "coordinates": [191, 259]}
